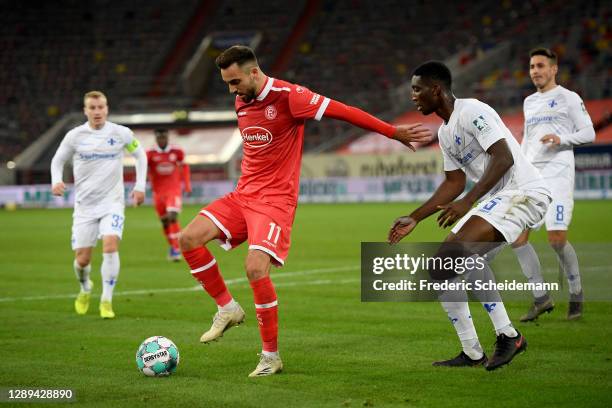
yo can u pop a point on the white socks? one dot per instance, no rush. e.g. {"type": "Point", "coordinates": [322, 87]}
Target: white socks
{"type": "Point", "coordinates": [273, 354]}
{"type": "Point", "coordinates": [82, 274]}
{"type": "Point", "coordinates": [530, 265]}
{"type": "Point", "coordinates": [110, 271]}
{"type": "Point", "coordinates": [459, 315]}
{"type": "Point", "coordinates": [230, 307]}
{"type": "Point", "coordinates": [499, 318]}
{"type": "Point", "coordinates": [569, 262]}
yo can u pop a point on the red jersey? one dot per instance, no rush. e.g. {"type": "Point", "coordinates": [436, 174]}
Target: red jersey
{"type": "Point", "coordinates": [272, 129]}
{"type": "Point", "coordinates": [167, 170]}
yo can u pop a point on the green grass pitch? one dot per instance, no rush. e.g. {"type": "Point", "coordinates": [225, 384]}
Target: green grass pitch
{"type": "Point", "coordinates": [337, 351]}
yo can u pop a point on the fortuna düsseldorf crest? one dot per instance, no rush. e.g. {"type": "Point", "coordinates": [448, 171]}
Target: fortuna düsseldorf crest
{"type": "Point", "coordinates": [271, 112]}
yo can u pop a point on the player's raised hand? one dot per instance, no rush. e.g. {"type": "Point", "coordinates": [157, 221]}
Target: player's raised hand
{"type": "Point", "coordinates": [551, 140]}
{"type": "Point", "coordinates": [412, 133]}
{"type": "Point", "coordinates": [58, 189]}
{"type": "Point", "coordinates": [452, 212]}
{"type": "Point", "coordinates": [400, 228]}
{"type": "Point", "coordinates": [137, 197]}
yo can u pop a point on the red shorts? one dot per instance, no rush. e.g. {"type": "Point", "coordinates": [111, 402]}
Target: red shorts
{"type": "Point", "coordinates": [167, 203]}
{"type": "Point", "coordinates": [267, 227]}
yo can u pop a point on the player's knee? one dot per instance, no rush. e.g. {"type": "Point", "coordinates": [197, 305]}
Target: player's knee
{"type": "Point", "coordinates": [255, 272]}
{"type": "Point", "coordinates": [188, 240]}
{"type": "Point", "coordinates": [110, 243]}
{"type": "Point", "coordinates": [191, 238]}
{"type": "Point", "coordinates": [446, 258]}
{"type": "Point", "coordinates": [83, 258]}
{"type": "Point", "coordinates": [521, 240]}
{"type": "Point", "coordinates": [557, 239]}
{"type": "Point", "coordinates": [164, 220]}
{"type": "Point", "coordinates": [257, 265]}
{"type": "Point", "coordinates": [171, 217]}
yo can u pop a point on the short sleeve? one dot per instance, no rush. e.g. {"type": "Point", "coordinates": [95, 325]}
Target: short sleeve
{"type": "Point", "coordinates": [577, 112]}
{"type": "Point", "coordinates": [483, 127]}
{"type": "Point", "coordinates": [130, 141]}
{"type": "Point", "coordinates": [305, 104]}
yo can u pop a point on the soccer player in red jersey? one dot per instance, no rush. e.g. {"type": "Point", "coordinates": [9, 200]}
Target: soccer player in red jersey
{"type": "Point", "coordinates": [166, 172]}
{"type": "Point", "coordinates": [271, 116]}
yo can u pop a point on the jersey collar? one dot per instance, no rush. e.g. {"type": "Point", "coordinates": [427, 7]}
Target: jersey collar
{"type": "Point", "coordinates": [160, 150]}
{"type": "Point", "coordinates": [551, 91]}
{"type": "Point", "coordinates": [266, 89]}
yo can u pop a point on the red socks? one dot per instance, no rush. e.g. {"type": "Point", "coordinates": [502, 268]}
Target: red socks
{"type": "Point", "coordinates": [172, 232]}
{"type": "Point", "coordinates": [205, 269]}
{"type": "Point", "coordinates": [266, 308]}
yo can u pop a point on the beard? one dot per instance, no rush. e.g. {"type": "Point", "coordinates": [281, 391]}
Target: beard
{"type": "Point", "coordinates": [248, 96]}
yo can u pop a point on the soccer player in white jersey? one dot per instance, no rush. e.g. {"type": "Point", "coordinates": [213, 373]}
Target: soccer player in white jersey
{"type": "Point", "coordinates": [511, 196]}
{"type": "Point", "coordinates": [555, 121]}
{"type": "Point", "coordinates": [96, 149]}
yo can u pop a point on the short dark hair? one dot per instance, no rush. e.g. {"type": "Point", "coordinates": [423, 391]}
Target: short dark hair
{"type": "Point", "coordinates": [546, 52]}
{"type": "Point", "coordinates": [160, 131]}
{"type": "Point", "coordinates": [239, 54]}
{"type": "Point", "coordinates": [435, 70]}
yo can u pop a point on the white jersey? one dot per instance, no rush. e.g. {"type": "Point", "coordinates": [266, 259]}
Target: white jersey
{"type": "Point", "coordinates": [471, 129]}
{"type": "Point", "coordinates": [97, 157]}
{"type": "Point", "coordinates": [561, 112]}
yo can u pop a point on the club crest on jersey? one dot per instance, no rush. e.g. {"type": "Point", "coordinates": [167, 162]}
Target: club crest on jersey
{"type": "Point", "coordinates": [172, 157]}
{"type": "Point", "coordinates": [271, 112]}
{"type": "Point", "coordinates": [257, 137]}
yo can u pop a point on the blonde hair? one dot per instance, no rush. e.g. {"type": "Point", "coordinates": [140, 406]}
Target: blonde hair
{"type": "Point", "coordinates": [93, 94]}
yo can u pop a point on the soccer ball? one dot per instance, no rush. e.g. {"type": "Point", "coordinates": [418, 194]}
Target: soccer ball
{"type": "Point", "coordinates": [157, 356]}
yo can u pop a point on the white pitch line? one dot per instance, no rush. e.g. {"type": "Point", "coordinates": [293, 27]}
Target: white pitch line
{"type": "Point", "coordinates": [198, 287]}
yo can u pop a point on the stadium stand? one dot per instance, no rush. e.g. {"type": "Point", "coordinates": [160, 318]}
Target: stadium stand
{"type": "Point", "coordinates": [53, 52]}
{"type": "Point", "coordinates": [583, 46]}
{"type": "Point", "coordinates": [356, 51]}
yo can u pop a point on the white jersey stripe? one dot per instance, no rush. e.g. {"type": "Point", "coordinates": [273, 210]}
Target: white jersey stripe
{"type": "Point", "coordinates": [266, 90]}
{"type": "Point", "coordinates": [322, 108]}
{"type": "Point", "coordinates": [269, 252]}
{"type": "Point", "coordinates": [205, 267]}
{"type": "Point", "coordinates": [225, 245]}
{"type": "Point", "coordinates": [284, 88]}
{"type": "Point", "coordinates": [266, 305]}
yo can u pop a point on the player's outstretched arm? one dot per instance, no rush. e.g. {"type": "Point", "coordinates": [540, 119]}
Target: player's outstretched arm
{"type": "Point", "coordinates": [406, 134]}
{"type": "Point", "coordinates": [412, 133]}
{"type": "Point", "coordinates": [500, 162]}
{"type": "Point", "coordinates": [451, 188]}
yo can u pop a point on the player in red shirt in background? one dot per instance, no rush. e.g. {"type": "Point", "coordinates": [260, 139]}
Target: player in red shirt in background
{"type": "Point", "coordinates": [271, 117]}
{"type": "Point", "coordinates": [166, 172]}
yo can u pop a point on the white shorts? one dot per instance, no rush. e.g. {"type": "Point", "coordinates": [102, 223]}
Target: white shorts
{"type": "Point", "coordinates": [510, 212]}
{"type": "Point", "coordinates": [559, 214]}
{"type": "Point", "coordinates": [87, 230]}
